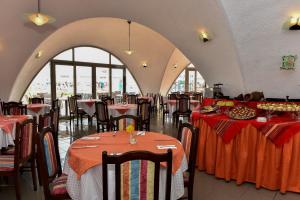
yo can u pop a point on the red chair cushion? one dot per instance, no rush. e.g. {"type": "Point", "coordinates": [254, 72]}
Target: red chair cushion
{"type": "Point", "coordinates": [58, 185]}
{"type": "Point", "coordinates": [7, 162]}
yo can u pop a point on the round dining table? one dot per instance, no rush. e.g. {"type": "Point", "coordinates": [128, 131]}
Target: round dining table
{"type": "Point", "coordinates": [116, 110]}
{"type": "Point", "coordinates": [8, 128]}
{"type": "Point", "coordinates": [88, 105]}
{"type": "Point", "coordinates": [38, 109]}
{"type": "Point", "coordinates": [83, 162]}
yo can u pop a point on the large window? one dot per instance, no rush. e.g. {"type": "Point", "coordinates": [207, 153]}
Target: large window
{"type": "Point", "coordinates": [190, 80]}
{"type": "Point", "coordinates": [87, 71]}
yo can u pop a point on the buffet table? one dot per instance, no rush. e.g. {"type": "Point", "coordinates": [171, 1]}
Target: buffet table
{"type": "Point", "coordinates": [84, 165]}
{"type": "Point", "coordinates": [264, 153]}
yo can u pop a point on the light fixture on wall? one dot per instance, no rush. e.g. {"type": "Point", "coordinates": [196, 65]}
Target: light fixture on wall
{"type": "Point", "coordinates": [294, 23]}
{"type": "Point", "coordinates": [129, 50]}
{"type": "Point", "coordinates": [39, 18]}
{"type": "Point", "coordinates": [39, 54]}
{"type": "Point", "coordinates": [175, 65]}
{"type": "Point", "coordinates": [144, 64]}
{"type": "Point", "coordinates": [203, 35]}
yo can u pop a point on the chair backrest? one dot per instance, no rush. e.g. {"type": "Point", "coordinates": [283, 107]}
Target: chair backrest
{"type": "Point", "coordinates": [172, 96]}
{"type": "Point", "coordinates": [131, 99]}
{"type": "Point", "coordinates": [26, 133]}
{"type": "Point", "coordinates": [188, 135]}
{"type": "Point", "coordinates": [141, 166]}
{"type": "Point", "coordinates": [101, 112]}
{"type": "Point", "coordinates": [36, 100]}
{"type": "Point", "coordinates": [48, 158]}
{"type": "Point", "coordinates": [121, 122]}
{"type": "Point", "coordinates": [45, 120]}
{"type": "Point", "coordinates": [55, 120]}
{"type": "Point", "coordinates": [198, 96]}
{"type": "Point", "coordinates": [55, 104]}
{"type": "Point", "coordinates": [143, 110]}
{"type": "Point", "coordinates": [14, 108]}
{"type": "Point", "coordinates": [108, 100]}
{"type": "Point", "coordinates": [183, 104]}
{"type": "Point", "coordinates": [72, 104]}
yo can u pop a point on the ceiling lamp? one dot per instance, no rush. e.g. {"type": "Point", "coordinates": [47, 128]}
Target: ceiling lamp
{"type": "Point", "coordinates": [129, 51]}
{"type": "Point", "coordinates": [295, 23]}
{"type": "Point", "coordinates": [39, 18]}
{"type": "Point", "coordinates": [204, 36]}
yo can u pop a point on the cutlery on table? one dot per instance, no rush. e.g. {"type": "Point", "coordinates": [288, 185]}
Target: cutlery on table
{"type": "Point", "coordinates": [83, 147]}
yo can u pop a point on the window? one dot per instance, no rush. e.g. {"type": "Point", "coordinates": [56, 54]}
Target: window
{"type": "Point", "coordinates": [189, 80]}
{"type": "Point", "coordinates": [87, 71]}
{"type": "Point", "coordinates": [40, 86]}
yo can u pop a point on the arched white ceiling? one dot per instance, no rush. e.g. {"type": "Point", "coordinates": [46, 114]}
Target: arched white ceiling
{"type": "Point", "coordinates": [178, 21]}
{"type": "Point", "coordinates": [112, 35]}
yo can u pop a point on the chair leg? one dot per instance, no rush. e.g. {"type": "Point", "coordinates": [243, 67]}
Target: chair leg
{"type": "Point", "coordinates": [39, 171]}
{"type": "Point", "coordinates": [33, 173]}
{"type": "Point", "coordinates": [81, 116]}
{"type": "Point", "coordinates": [17, 185]}
{"type": "Point", "coordinates": [190, 193]}
{"type": "Point", "coordinates": [77, 120]}
{"type": "Point", "coordinates": [98, 128]}
{"type": "Point", "coordinates": [163, 119]}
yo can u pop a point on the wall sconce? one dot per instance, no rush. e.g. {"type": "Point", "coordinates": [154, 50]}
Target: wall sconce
{"type": "Point", "coordinates": [144, 65]}
{"type": "Point", "coordinates": [175, 66]}
{"type": "Point", "coordinates": [203, 35]}
{"type": "Point", "coordinates": [294, 23]}
{"type": "Point", "coordinates": [38, 54]}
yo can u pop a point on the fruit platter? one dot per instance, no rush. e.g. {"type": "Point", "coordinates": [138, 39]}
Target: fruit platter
{"type": "Point", "coordinates": [242, 113]}
{"type": "Point", "coordinates": [289, 107]}
{"type": "Point", "coordinates": [208, 109]}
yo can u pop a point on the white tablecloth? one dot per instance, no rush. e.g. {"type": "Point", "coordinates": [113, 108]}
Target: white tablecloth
{"type": "Point", "coordinates": [113, 111]}
{"type": "Point", "coordinates": [45, 108]}
{"type": "Point", "coordinates": [89, 186]}
{"type": "Point", "coordinates": [7, 139]}
{"type": "Point", "coordinates": [88, 105]}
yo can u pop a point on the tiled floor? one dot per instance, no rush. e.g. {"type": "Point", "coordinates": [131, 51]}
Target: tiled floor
{"type": "Point", "coordinates": [206, 187]}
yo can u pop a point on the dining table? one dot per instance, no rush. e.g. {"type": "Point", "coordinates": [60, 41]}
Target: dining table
{"type": "Point", "coordinates": [88, 105]}
{"type": "Point", "coordinates": [116, 110]}
{"type": "Point", "coordinates": [172, 104]}
{"type": "Point", "coordinates": [8, 128]}
{"type": "Point", "coordinates": [266, 153]}
{"type": "Point", "coordinates": [83, 162]}
{"type": "Point", "coordinates": [38, 109]}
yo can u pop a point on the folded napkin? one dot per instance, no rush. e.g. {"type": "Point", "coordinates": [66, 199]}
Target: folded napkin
{"type": "Point", "coordinates": [141, 133]}
{"type": "Point", "coordinates": [90, 138]}
{"type": "Point", "coordinates": [171, 146]}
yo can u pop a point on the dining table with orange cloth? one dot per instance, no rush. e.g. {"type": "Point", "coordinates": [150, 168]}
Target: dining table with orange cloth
{"type": "Point", "coordinates": [116, 110]}
{"type": "Point", "coordinates": [88, 105]}
{"type": "Point", "coordinates": [83, 162]}
{"type": "Point", "coordinates": [250, 155]}
{"type": "Point", "coordinates": [8, 128]}
{"type": "Point", "coordinates": [38, 109]}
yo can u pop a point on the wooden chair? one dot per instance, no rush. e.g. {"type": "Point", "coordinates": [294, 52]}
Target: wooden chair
{"type": "Point", "coordinates": [11, 165]}
{"type": "Point", "coordinates": [144, 110]}
{"type": "Point", "coordinates": [172, 96]}
{"type": "Point", "coordinates": [54, 182]}
{"type": "Point", "coordinates": [121, 122]}
{"type": "Point", "coordinates": [188, 135]}
{"type": "Point", "coordinates": [45, 120]}
{"type": "Point", "coordinates": [36, 100]}
{"type": "Point", "coordinates": [182, 108]}
{"type": "Point", "coordinates": [137, 159]}
{"type": "Point", "coordinates": [131, 99]}
{"type": "Point", "coordinates": [166, 110]}
{"type": "Point", "coordinates": [108, 100]}
{"type": "Point", "coordinates": [102, 116]}
{"type": "Point", "coordinates": [55, 104]}
{"type": "Point", "coordinates": [74, 110]}
{"type": "Point", "coordinates": [198, 96]}
{"type": "Point", "coordinates": [154, 106]}
{"type": "Point", "coordinates": [14, 108]}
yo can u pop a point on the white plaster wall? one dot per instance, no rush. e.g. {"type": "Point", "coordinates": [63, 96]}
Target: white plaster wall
{"type": "Point", "coordinates": [261, 42]}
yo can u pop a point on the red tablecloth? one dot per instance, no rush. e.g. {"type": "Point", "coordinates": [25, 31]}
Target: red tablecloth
{"type": "Point", "coordinates": [279, 129]}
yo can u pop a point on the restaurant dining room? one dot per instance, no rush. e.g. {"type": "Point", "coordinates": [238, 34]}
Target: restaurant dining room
{"type": "Point", "coordinates": [140, 100]}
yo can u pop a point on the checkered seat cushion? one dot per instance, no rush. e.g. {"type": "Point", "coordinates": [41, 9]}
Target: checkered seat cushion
{"type": "Point", "coordinates": [7, 162]}
{"type": "Point", "coordinates": [58, 185]}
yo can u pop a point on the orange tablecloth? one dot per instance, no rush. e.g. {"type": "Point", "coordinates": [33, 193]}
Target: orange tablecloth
{"type": "Point", "coordinates": [7, 122]}
{"type": "Point", "coordinates": [37, 107]}
{"type": "Point", "coordinates": [250, 157]}
{"type": "Point", "coordinates": [80, 160]}
{"type": "Point", "coordinates": [122, 108]}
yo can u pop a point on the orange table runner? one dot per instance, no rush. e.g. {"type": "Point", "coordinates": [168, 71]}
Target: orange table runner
{"type": "Point", "coordinates": [81, 160]}
{"type": "Point", "coordinates": [250, 157]}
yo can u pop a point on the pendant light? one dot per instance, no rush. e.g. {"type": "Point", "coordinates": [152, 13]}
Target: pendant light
{"type": "Point", "coordinates": [39, 18]}
{"type": "Point", "coordinates": [129, 51]}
